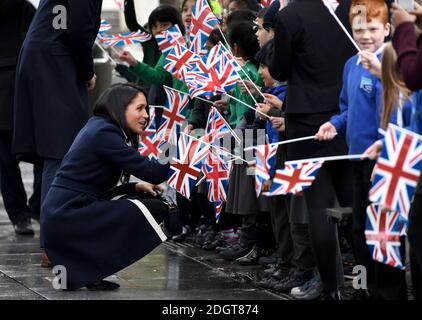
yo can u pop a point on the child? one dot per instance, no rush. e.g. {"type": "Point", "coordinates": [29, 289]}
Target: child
{"type": "Point", "coordinates": [359, 120]}
{"type": "Point", "coordinates": [407, 45]}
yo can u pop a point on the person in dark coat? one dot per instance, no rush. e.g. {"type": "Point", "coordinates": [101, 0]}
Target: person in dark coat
{"type": "Point", "coordinates": [15, 18]}
{"type": "Point", "coordinates": [54, 71]}
{"type": "Point", "coordinates": [310, 52]}
{"type": "Point", "coordinates": [90, 235]}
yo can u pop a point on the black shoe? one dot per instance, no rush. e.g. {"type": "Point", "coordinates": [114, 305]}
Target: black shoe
{"type": "Point", "coordinates": [250, 259]}
{"type": "Point", "coordinates": [234, 252]}
{"type": "Point", "coordinates": [103, 285]}
{"type": "Point", "coordinates": [290, 283]}
{"type": "Point", "coordinates": [24, 227]}
{"type": "Point", "coordinates": [281, 273]}
{"type": "Point", "coordinates": [268, 272]}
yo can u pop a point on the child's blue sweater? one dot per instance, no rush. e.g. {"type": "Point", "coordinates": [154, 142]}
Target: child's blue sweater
{"type": "Point", "coordinates": [360, 107]}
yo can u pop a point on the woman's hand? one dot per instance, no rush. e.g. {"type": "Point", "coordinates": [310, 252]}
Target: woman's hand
{"type": "Point", "coordinates": [126, 56]}
{"type": "Point", "coordinates": [399, 15]}
{"type": "Point", "coordinates": [374, 151]}
{"type": "Point", "coordinates": [326, 132]}
{"type": "Point", "coordinates": [371, 63]}
{"type": "Point", "coordinates": [149, 188]}
{"type": "Point", "coordinates": [273, 100]}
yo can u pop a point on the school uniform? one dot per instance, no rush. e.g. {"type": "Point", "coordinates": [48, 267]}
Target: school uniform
{"type": "Point", "coordinates": [359, 120]}
{"type": "Point", "coordinates": [91, 236]}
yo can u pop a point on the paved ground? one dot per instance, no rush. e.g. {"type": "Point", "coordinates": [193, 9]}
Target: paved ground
{"type": "Point", "coordinates": [172, 271]}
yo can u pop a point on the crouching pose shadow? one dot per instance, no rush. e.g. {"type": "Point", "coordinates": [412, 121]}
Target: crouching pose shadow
{"type": "Point", "coordinates": [85, 231]}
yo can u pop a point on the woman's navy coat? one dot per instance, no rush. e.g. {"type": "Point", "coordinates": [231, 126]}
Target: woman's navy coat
{"type": "Point", "coordinates": [84, 231]}
{"type": "Point", "coordinates": [51, 104]}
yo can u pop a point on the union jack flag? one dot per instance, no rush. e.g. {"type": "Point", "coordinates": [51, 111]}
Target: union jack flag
{"type": "Point", "coordinates": [186, 168]}
{"type": "Point", "coordinates": [218, 206]}
{"type": "Point", "coordinates": [104, 26]}
{"type": "Point", "coordinates": [216, 74]}
{"type": "Point", "coordinates": [174, 113]}
{"type": "Point", "coordinates": [397, 170]}
{"type": "Point", "coordinates": [383, 230]}
{"type": "Point", "coordinates": [201, 84]}
{"type": "Point", "coordinates": [151, 146]}
{"type": "Point", "coordinates": [216, 127]}
{"type": "Point", "coordinates": [179, 59]}
{"type": "Point", "coordinates": [203, 22]}
{"type": "Point", "coordinates": [294, 178]}
{"type": "Point", "coordinates": [217, 177]}
{"type": "Point", "coordinates": [169, 39]}
{"type": "Point", "coordinates": [265, 158]}
{"type": "Point", "coordinates": [121, 39]}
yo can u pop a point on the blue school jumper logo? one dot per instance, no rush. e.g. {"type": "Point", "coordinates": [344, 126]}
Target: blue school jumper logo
{"type": "Point", "coordinates": [366, 84]}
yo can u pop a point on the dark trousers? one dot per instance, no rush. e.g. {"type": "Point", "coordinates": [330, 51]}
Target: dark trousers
{"type": "Point", "coordinates": [248, 230]}
{"type": "Point", "coordinates": [279, 211]}
{"type": "Point", "coordinates": [303, 260]}
{"type": "Point", "coordinates": [332, 183]}
{"type": "Point", "coordinates": [362, 172]}
{"type": "Point", "coordinates": [415, 240]}
{"type": "Point", "coordinates": [11, 185]}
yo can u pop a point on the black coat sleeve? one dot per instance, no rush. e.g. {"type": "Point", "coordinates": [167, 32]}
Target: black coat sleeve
{"type": "Point", "coordinates": [112, 148]}
{"type": "Point", "coordinates": [83, 23]}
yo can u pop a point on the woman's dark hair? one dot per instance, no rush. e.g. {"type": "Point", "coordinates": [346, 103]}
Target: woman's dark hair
{"type": "Point", "coordinates": [244, 36]}
{"type": "Point", "coordinates": [239, 16]}
{"type": "Point", "coordinates": [164, 13]}
{"type": "Point", "coordinates": [113, 103]}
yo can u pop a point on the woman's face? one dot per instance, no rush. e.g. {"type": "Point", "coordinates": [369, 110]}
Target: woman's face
{"type": "Point", "coordinates": [136, 114]}
{"type": "Point", "coordinates": [159, 27]}
{"type": "Point", "coordinates": [187, 13]}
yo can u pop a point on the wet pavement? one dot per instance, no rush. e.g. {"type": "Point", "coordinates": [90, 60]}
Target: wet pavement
{"type": "Point", "coordinates": [171, 272]}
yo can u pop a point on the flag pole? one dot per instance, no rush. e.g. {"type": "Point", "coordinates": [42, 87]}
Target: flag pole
{"type": "Point", "coordinates": [342, 26]}
{"type": "Point", "coordinates": [236, 137]}
{"type": "Point", "coordinates": [214, 147]}
{"type": "Point", "coordinates": [250, 107]}
{"type": "Point", "coordinates": [227, 47]}
{"type": "Point", "coordinates": [334, 158]}
{"type": "Point", "coordinates": [98, 44]}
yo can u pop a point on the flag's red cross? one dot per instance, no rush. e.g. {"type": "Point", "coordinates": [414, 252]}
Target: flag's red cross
{"type": "Point", "coordinates": [151, 147]}
{"type": "Point", "coordinates": [173, 116]}
{"type": "Point", "coordinates": [198, 24]}
{"type": "Point", "coordinates": [383, 236]}
{"type": "Point", "coordinates": [215, 176]}
{"type": "Point", "coordinates": [397, 171]}
{"type": "Point", "coordinates": [184, 169]}
{"type": "Point", "coordinates": [293, 180]}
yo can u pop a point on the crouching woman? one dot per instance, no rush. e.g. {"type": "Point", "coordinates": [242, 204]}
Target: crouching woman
{"type": "Point", "coordinates": [84, 230]}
